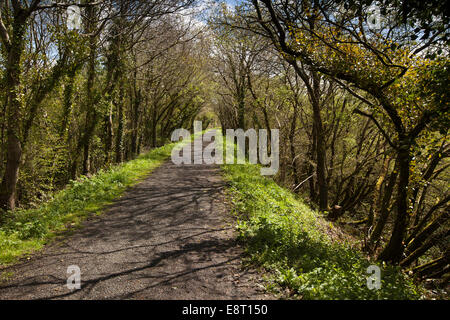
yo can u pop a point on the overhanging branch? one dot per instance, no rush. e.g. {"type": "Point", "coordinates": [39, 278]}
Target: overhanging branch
{"type": "Point", "coordinates": [371, 117]}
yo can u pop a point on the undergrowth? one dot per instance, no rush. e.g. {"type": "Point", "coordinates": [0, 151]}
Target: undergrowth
{"type": "Point", "coordinates": [283, 235]}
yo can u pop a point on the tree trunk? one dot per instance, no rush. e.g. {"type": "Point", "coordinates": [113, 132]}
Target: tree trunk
{"type": "Point", "coordinates": [108, 126]}
{"type": "Point", "coordinates": [86, 159]}
{"type": "Point", "coordinates": [154, 129]}
{"type": "Point", "coordinates": [91, 115]}
{"type": "Point", "coordinates": [320, 148]}
{"type": "Point", "coordinates": [135, 122]}
{"type": "Point", "coordinates": [433, 266]}
{"type": "Point", "coordinates": [394, 250]}
{"type": "Point", "coordinates": [424, 248]}
{"type": "Point", "coordinates": [294, 162]}
{"type": "Point", "coordinates": [13, 106]}
{"type": "Point", "coordinates": [119, 136]}
{"type": "Point", "coordinates": [310, 168]}
{"type": "Point", "coordinates": [67, 102]}
{"type": "Point", "coordinates": [384, 210]}
{"type": "Point", "coordinates": [426, 232]}
{"type": "Point", "coordinates": [241, 107]}
{"type": "Point", "coordinates": [377, 193]}
{"type": "Point", "coordinates": [11, 175]}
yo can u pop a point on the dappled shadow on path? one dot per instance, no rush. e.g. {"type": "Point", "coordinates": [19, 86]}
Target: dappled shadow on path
{"type": "Point", "coordinates": [168, 237]}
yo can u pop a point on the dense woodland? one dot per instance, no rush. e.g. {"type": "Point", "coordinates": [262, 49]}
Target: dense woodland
{"type": "Point", "coordinates": [363, 112]}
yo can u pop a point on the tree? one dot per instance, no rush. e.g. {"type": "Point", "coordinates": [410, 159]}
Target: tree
{"type": "Point", "coordinates": [379, 64]}
{"type": "Point", "coordinates": [15, 18]}
{"type": "Point", "coordinates": [39, 52]}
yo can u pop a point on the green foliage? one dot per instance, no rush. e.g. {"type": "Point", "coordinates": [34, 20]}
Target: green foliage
{"type": "Point", "coordinates": [23, 231]}
{"type": "Point", "coordinates": [283, 235]}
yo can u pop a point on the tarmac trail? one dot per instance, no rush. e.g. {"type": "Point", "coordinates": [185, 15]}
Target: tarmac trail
{"type": "Point", "coordinates": [169, 237]}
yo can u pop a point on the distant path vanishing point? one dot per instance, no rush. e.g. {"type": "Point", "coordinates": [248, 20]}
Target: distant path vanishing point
{"type": "Point", "coordinates": [169, 237]}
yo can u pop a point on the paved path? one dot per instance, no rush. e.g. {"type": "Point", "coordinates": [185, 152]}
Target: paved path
{"type": "Point", "coordinates": [169, 237]}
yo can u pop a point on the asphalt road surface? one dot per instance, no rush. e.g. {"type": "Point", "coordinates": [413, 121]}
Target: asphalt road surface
{"type": "Point", "coordinates": [169, 237]}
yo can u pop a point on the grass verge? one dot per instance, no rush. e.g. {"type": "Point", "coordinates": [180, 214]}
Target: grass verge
{"type": "Point", "coordinates": [25, 231]}
{"type": "Point", "coordinates": [285, 236]}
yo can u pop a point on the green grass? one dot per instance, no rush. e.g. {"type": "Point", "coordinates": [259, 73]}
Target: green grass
{"type": "Point", "coordinates": [25, 231]}
{"type": "Point", "coordinates": [283, 235]}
